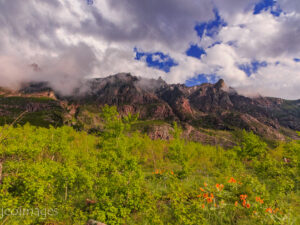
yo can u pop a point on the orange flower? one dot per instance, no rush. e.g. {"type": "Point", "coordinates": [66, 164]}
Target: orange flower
{"type": "Point", "coordinates": [236, 203]}
{"type": "Point", "coordinates": [211, 195]}
{"type": "Point", "coordinates": [248, 205]}
{"type": "Point", "coordinates": [269, 210]}
{"type": "Point", "coordinates": [244, 203]}
{"type": "Point", "coordinates": [254, 212]}
{"type": "Point", "coordinates": [219, 186]}
{"type": "Point", "coordinates": [205, 184]}
{"type": "Point", "coordinates": [198, 196]}
{"type": "Point", "coordinates": [258, 199]}
{"type": "Point", "coordinates": [172, 172]}
{"type": "Point", "coordinates": [209, 200]}
{"type": "Point", "coordinates": [205, 195]}
{"type": "Point", "coordinates": [215, 205]}
{"type": "Point", "coordinates": [203, 206]}
{"type": "Point", "coordinates": [232, 180]}
{"type": "Point", "coordinates": [201, 189]}
{"type": "Point", "coordinates": [243, 197]}
{"type": "Point", "coordinates": [276, 210]}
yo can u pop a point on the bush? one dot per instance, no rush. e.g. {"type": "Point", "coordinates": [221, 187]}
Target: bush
{"type": "Point", "coordinates": [121, 178]}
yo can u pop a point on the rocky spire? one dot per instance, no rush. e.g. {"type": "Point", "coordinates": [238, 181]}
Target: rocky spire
{"type": "Point", "coordinates": [220, 84]}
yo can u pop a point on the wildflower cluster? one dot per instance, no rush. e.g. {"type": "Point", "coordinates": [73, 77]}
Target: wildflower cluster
{"type": "Point", "coordinates": [219, 187]}
{"type": "Point", "coordinates": [158, 171]}
{"type": "Point", "coordinates": [270, 210]}
{"type": "Point", "coordinates": [232, 180]}
{"type": "Point", "coordinates": [259, 200]}
{"type": "Point", "coordinates": [244, 202]}
{"type": "Point", "coordinates": [207, 196]}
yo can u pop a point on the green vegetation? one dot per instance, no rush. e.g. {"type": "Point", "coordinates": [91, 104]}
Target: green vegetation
{"type": "Point", "coordinates": [122, 178]}
{"type": "Point", "coordinates": [49, 113]}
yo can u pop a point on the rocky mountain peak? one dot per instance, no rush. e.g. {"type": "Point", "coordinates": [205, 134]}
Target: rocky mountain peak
{"type": "Point", "coordinates": [215, 106]}
{"type": "Point", "coordinates": [221, 85]}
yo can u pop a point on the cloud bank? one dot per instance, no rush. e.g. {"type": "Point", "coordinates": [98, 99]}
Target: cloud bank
{"type": "Point", "coordinates": [251, 44]}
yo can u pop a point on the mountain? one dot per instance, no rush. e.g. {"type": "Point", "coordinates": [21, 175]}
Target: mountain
{"type": "Point", "coordinates": [208, 112]}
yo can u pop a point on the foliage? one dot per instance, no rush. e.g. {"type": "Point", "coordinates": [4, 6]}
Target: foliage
{"type": "Point", "coordinates": [251, 146]}
{"type": "Point", "coordinates": [121, 178]}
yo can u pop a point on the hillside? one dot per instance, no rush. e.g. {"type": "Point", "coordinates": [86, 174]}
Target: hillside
{"type": "Point", "coordinates": [209, 113]}
{"type": "Point", "coordinates": [62, 176]}
{"type": "Point", "coordinates": [75, 159]}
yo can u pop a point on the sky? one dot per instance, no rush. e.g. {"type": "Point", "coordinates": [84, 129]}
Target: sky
{"type": "Point", "coordinates": [254, 45]}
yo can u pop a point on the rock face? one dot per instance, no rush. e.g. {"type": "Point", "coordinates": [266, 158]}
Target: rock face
{"type": "Point", "coordinates": [214, 106]}
{"type": "Point", "coordinates": [160, 132]}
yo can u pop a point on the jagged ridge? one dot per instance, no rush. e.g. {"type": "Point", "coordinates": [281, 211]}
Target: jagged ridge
{"type": "Point", "coordinates": [214, 106]}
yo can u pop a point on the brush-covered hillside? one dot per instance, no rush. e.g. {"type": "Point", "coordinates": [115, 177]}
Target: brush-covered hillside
{"type": "Point", "coordinates": [208, 113]}
{"type": "Point", "coordinates": [120, 176]}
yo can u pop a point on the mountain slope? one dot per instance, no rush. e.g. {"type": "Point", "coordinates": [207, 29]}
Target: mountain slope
{"type": "Point", "coordinates": [202, 110]}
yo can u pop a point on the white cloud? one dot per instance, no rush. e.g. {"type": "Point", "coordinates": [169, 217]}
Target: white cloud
{"type": "Point", "coordinates": [99, 40]}
{"type": "Point", "coordinates": [261, 37]}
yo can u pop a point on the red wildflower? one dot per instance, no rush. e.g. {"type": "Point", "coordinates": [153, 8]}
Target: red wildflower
{"type": "Point", "coordinates": [269, 210]}
{"type": "Point", "coordinates": [244, 203]}
{"type": "Point", "coordinates": [209, 200]}
{"type": "Point", "coordinates": [232, 180]}
{"type": "Point", "coordinates": [243, 197]}
{"type": "Point", "coordinates": [219, 186]}
{"type": "Point", "coordinates": [258, 199]}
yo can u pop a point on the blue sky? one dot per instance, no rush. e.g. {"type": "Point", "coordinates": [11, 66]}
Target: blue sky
{"type": "Point", "coordinates": [212, 27]}
{"type": "Point", "coordinates": [297, 59]}
{"type": "Point", "coordinates": [268, 5]}
{"type": "Point", "coordinates": [202, 78]}
{"type": "Point", "coordinates": [157, 60]}
{"type": "Point", "coordinates": [195, 51]}
{"type": "Point", "coordinates": [252, 67]}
